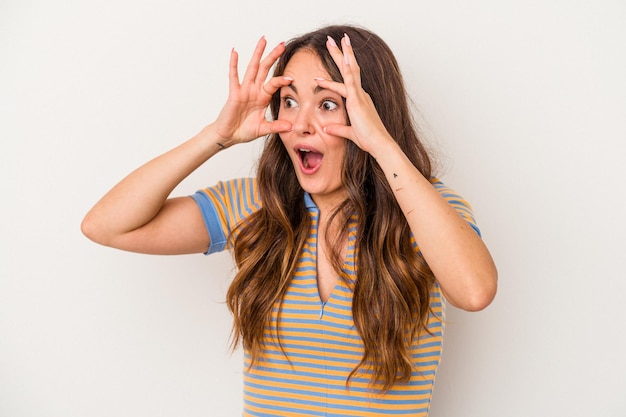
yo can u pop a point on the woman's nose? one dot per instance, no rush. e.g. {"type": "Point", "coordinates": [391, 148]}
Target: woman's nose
{"type": "Point", "coordinates": [304, 123]}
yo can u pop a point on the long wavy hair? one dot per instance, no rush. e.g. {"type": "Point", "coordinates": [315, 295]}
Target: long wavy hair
{"type": "Point", "coordinates": [393, 280]}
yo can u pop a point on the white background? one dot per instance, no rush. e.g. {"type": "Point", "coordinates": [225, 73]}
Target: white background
{"type": "Point", "coordinates": [525, 102]}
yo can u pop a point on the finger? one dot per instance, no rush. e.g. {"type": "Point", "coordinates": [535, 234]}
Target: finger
{"type": "Point", "coordinates": [351, 73]}
{"type": "Point", "coordinates": [346, 62]}
{"type": "Point", "coordinates": [339, 130]}
{"type": "Point", "coordinates": [233, 73]}
{"type": "Point", "coordinates": [335, 53]}
{"type": "Point", "coordinates": [253, 65]}
{"type": "Point", "coordinates": [268, 61]}
{"type": "Point", "coordinates": [276, 126]}
{"type": "Point", "coordinates": [348, 54]}
{"type": "Point", "coordinates": [331, 85]}
{"type": "Point", "coordinates": [275, 83]}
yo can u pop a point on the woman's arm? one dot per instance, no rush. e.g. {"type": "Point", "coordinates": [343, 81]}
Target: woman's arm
{"type": "Point", "coordinates": [455, 253]}
{"type": "Point", "coordinates": [137, 215]}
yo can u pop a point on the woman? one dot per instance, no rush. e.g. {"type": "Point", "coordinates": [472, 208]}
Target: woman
{"type": "Point", "coordinates": [346, 246]}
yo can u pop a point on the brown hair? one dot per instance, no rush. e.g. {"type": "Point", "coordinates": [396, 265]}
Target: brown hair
{"type": "Point", "coordinates": [393, 280]}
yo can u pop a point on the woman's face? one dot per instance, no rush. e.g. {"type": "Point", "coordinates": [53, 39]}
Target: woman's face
{"type": "Point", "coordinates": [317, 157]}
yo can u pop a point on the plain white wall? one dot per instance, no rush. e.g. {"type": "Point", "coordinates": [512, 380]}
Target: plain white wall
{"type": "Point", "coordinates": [525, 100]}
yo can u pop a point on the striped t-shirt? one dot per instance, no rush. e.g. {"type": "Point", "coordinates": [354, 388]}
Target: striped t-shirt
{"type": "Point", "coordinates": [320, 345]}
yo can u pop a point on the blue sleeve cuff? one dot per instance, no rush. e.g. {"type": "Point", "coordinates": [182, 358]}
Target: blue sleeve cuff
{"type": "Point", "coordinates": [212, 222]}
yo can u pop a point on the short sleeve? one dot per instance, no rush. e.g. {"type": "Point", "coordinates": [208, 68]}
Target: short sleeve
{"type": "Point", "coordinates": [224, 206]}
{"type": "Point", "coordinates": [457, 202]}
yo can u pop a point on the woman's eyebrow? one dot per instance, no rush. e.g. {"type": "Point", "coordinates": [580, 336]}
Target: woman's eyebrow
{"type": "Point", "coordinates": [293, 87]}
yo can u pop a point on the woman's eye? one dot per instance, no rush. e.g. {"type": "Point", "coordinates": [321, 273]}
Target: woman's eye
{"type": "Point", "coordinates": [329, 105]}
{"type": "Point", "coordinates": [288, 102]}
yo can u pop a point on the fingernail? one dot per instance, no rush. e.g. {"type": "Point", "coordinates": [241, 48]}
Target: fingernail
{"type": "Point", "coordinates": [287, 78]}
{"type": "Point", "coordinates": [331, 41]}
{"type": "Point", "coordinates": [345, 35]}
{"type": "Point", "coordinates": [319, 79]}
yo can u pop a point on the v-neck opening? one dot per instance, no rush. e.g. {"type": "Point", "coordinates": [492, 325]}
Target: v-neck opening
{"type": "Point", "coordinates": [315, 214]}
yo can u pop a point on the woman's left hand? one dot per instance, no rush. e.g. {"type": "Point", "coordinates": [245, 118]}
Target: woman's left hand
{"type": "Point", "coordinates": [366, 129]}
{"type": "Point", "coordinates": [454, 252]}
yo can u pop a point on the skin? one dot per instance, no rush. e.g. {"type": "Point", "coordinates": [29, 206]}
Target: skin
{"type": "Point", "coordinates": [309, 108]}
{"type": "Point", "coordinates": [137, 214]}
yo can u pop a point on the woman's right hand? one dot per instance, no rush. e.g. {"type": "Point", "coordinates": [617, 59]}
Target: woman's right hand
{"type": "Point", "coordinates": [137, 215]}
{"type": "Point", "coordinates": [243, 117]}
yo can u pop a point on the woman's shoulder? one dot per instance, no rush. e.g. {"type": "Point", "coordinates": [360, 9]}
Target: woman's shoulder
{"type": "Point", "coordinates": [236, 187]}
{"type": "Point", "coordinates": [448, 192]}
{"type": "Point", "coordinates": [456, 200]}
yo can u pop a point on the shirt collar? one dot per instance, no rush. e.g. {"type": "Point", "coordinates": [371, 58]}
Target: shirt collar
{"type": "Point", "coordinates": [308, 201]}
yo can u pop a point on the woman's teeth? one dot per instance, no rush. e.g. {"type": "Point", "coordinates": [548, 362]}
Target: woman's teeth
{"type": "Point", "coordinates": [303, 156]}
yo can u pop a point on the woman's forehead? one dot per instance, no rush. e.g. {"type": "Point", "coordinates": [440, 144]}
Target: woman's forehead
{"type": "Point", "coordinates": [306, 62]}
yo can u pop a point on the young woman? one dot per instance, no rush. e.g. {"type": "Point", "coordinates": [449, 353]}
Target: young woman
{"type": "Point", "coordinates": [346, 245]}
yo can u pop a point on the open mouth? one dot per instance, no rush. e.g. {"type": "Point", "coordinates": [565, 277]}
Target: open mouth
{"type": "Point", "coordinates": [310, 158]}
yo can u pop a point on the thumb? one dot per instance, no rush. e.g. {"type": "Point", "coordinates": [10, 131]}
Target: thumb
{"type": "Point", "coordinates": [276, 126]}
{"type": "Point", "coordinates": [336, 129]}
